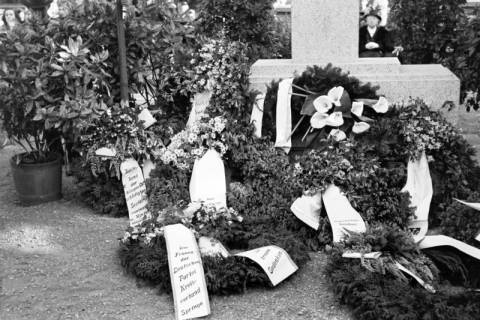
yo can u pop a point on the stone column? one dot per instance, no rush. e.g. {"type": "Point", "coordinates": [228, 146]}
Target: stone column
{"type": "Point", "coordinates": [325, 30]}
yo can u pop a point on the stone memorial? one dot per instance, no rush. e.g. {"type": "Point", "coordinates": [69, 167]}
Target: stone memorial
{"type": "Point", "coordinates": [189, 288]}
{"type": "Point", "coordinates": [326, 31]}
{"type": "Point", "coordinates": [275, 261]}
{"type": "Point", "coordinates": [135, 192]}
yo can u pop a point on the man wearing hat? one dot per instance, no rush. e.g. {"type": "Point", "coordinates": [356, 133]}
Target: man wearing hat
{"type": "Point", "coordinates": [375, 41]}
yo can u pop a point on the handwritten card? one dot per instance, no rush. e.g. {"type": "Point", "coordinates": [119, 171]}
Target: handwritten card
{"type": "Point", "coordinates": [343, 217]}
{"type": "Point", "coordinates": [135, 192]}
{"type": "Point", "coordinates": [275, 261]}
{"type": "Point", "coordinates": [186, 273]}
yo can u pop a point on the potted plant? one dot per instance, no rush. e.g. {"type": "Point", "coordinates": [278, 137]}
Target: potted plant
{"type": "Point", "coordinates": [48, 94]}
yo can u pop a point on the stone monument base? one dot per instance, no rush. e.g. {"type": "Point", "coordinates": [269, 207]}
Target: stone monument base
{"type": "Point", "coordinates": [433, 83]}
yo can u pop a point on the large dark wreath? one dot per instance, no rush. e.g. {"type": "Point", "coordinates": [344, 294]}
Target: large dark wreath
{"type": "Point", "coordinates": [370, 168]}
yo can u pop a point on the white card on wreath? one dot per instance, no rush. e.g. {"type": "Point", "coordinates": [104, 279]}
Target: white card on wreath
{"type": "Point", "coordinates": [419, 186]}
{"type": "Point", "coordinates": [189, 288]}
{"type": "Point", "coordinates": [208, 184]}
{"type": "Point", "coordinates": [146, 116]}
{"type": "Point", "coordinates": [343, 217]}
{"type": "Point", "coordinates": [212, 248]}
{"type": "Point", "coordinates": [200, 103]}
{"type": "Point", "coordinates": [275, 261]}
{"type": "Point", "coordinates": [135, 192]}
{"type": "Point", "coordinates": [307, 209]}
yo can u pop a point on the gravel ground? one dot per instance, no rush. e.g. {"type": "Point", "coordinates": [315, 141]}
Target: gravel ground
{"type": "Point", "coordinates": [58, 261]}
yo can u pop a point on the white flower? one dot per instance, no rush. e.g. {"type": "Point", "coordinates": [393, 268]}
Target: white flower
{"type": "Point", "coordinates": [192, 137]}
{"type": "Point", "coordinates": [338, 135]}
{"type": "Point", "coordinates": [335, 119]}
{"type": "Point", "coordinates": [381, 106]}
{"type": "Point", "coordinates": [323, 104]}
{"type": "Point", "coordinates": [336, 94]}
{"type": "Point", "coordinates": [360, 127]}
{"type": "Point", "coordinates": [357, 108]}
{"type": "Point", "coordinates": [319, 120]}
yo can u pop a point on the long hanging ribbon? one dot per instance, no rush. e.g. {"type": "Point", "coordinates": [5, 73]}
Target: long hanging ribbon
{"type": "Point", "coordinates": [284, 115]}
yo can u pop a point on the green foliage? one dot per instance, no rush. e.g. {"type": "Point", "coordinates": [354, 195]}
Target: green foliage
{"type": "Point", "coordinates": [248, 21]}
{"type": "Point", "coordinates": [167, 186]}
{"type": "Point", "coordinates": [463, 59]}
{"type": "Point", "coordinates": [148, 260]}
{"type": "Point", "coordinates": [51, 87]}
{"type": "Point", "coordinates": [377, 289]}
{"type": "Point", "coordinates": [425, 28]}
{"type": "Point", "coordinates": [460, 221]}
{"type": "Point", "coordinates": [102, 192]}
{"type": "Point", "coordinates": [373, 296]}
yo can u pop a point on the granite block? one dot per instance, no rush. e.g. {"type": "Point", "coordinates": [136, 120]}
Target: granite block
{"type": "Point", "coordinates": [434, 84]}
{"type": "Point", "coordinates": [324, 30]}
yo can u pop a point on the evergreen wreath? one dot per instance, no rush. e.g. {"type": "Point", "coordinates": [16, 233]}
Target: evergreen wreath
{"type": "Point", "coordinates": [370, 168]}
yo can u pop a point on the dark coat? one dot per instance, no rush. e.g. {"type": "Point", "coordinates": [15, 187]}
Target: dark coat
{"type": "Point", "coordinates": [381, 36]}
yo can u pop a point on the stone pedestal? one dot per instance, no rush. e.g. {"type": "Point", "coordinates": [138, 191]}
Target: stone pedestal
{"type": "Point", "coordinates": [433, 83]}
{"type": "Point", "coordinates": [326, 31]}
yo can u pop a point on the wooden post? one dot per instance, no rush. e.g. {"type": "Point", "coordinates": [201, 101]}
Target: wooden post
{"type": "Point", "coordinates": [122, 53]}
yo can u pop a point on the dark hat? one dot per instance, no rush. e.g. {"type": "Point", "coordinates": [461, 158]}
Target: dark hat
{"type": "Point", "coordinates": [373, 12]}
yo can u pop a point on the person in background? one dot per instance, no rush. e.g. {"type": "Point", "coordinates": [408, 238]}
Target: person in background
{"type": "Point", "coordinates": [381, 5]}
{"type": "Point", "coordinates": [9, 19]}
{"type": "Point", "coordinates": [375, 41]}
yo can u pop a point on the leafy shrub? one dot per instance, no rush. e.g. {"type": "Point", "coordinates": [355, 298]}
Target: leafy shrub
{"type": "Point", "coordinates": [52, 88]}
{"type": "Point", "coordinates": [425, 28]}
{"type": "Point", "coordinates": [460, 221]}
{"type": "Point", "coordinates": [102, 192]}
{"type": "Point", "coordinates": [463, 59]}
{"type": "Point", "coordinates": [248, 21]}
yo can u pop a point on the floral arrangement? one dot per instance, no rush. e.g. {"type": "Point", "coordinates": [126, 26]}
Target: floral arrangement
{"type": "Point", "coordinates": [330, 110]}
{"type": "Point", "coordinates": [220, 66]}
{"type": "Point", "coordinates": [195, 216]}
{"type": "Point", "coordinates": [424, 130]}
{"type": "Point", "coordinates": [372, 185]}
{"type": "Point", "coordinates": [192, 142]}
{"type": "Point", "coordinates": [120, 132]}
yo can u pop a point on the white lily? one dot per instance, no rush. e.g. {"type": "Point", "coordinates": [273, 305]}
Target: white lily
{"type": "Point", "coordinates": [335, 119]}
{"type": "Point", "coordinates": [338, 135]}
{"type": "Point", "coordinates": [323, 103]}
{"type": "Point", "coordinates": [381, 106]}
{"type": "Point", "coordinates": [357, 108]}
{"type": "Point", "coordinates": [336, 94]}
{"type": "Point", "coordinates": [360, 127]}
{"type": "Point", "coordinates": [319, 120]}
